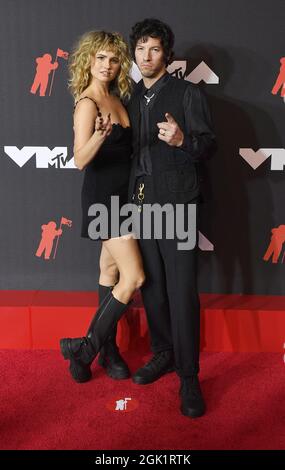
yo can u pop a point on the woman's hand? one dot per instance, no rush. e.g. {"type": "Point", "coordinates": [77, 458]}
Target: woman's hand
{"type": "Point", "coordinates": [103, 126]}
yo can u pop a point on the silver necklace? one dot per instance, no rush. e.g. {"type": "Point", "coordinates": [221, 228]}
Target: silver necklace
{"type": "Point", "coordinates": [148, 98]}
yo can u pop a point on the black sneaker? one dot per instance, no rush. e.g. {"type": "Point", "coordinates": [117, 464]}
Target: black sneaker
{"type": "Point", "coordinates": [192, 402]}
{"type": "Point", "coordinates": [160, 364]}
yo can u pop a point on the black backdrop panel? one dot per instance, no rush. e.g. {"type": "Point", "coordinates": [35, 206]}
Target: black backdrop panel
{"type": "Point", "coordinates": [241, 42]}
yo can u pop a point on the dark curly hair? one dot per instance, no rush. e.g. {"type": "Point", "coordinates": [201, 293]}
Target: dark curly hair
{"type": "Point", "coordinates": [151, 27]}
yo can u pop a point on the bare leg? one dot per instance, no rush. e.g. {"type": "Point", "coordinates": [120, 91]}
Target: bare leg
{"type": "Point", "coordinates": [125, 251]}
{"type": "Point", "coordinates": [109, 273]}
{"type": "Point", "coordinates": [82, 351]}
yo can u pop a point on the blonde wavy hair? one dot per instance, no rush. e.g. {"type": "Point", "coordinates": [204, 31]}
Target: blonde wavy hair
{"type": "Point", "coordinates": [80, 62]}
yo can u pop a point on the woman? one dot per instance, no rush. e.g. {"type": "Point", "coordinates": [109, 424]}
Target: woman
{"type": "Point", "coordinates": [99, 68]}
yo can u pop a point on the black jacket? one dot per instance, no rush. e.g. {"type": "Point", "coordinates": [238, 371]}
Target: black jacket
{"type": "Point", "coordinates": [175, 171]}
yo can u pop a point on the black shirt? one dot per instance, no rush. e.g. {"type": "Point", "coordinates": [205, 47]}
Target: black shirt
{"type": "Point", "coordinates": [197, 117]}
{"type": "Point", "coordinates": [144, 162]}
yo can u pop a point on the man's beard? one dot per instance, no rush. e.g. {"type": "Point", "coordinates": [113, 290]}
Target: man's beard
{"type": "Point", "coordinates": [150, 73]}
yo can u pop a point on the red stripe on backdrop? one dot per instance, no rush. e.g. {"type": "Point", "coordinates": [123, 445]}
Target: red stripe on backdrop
{"type": "Point", "coordinates": [38, 319]}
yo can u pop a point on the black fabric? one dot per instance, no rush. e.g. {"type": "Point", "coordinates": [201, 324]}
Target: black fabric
{"type": "Point", "coordinates": [175, 171]}
{"type": "Point", "coordinates": [144, 166]}
{"type": "Point", "coordinates": [170, 294]}
{"type": "Point", "coordinates": [107, 175]}
{"type": "Point", "coordinates": [106, 318]}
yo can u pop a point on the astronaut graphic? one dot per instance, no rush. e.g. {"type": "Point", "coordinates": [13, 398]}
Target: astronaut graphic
{"type": "Point", "coordinates": [276, 244]}
{"type": "Point", "coordinates": [43, 69]}
{"type": "Point", "coordinates": [121, 405]}
{"type": "Point", "coordinates": [280, 81]}
{"type": "Point", "coordinates": [49, 233]}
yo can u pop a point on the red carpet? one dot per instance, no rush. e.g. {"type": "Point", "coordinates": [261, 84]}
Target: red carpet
{"type": "Point", "coordinates": [41, 408]}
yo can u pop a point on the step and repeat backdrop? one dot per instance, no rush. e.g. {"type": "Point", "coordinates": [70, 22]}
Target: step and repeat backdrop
{"type": "Point", "coordinates": [234, 50]}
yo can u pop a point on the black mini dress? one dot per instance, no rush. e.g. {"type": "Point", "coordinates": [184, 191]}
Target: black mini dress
{"type": "Point", "coordinates": [105, 176]}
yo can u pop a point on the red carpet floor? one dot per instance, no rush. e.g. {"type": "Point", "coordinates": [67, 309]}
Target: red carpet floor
{"type": "Point", "coordinates": [42, 408]}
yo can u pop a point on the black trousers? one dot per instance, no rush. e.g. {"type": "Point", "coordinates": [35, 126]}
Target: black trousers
{"type": "Point", "coordinates": [170, 294]}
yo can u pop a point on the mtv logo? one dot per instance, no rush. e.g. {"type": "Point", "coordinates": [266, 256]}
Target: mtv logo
{"type": "Point", "coordinates": [178, 69]}
{"type": "Point", "coordinates": [45, 157]}
{"type": "Point", "coordinates": [135, 73]}
{"type": "Point", "coordinates": [204, 244]}
{"type": "Point", "coordinates": [255, 159]}
{"type": "Point", "coordinates": [200, 73]}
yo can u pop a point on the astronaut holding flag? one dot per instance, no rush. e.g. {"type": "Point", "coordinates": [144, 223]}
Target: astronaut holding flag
{"type": "Point", "coordinates": [43, 69]}
{"type": "Point", "coordinates": [63, 221]}
{"type": "Point", "coordinates": [63, 55]}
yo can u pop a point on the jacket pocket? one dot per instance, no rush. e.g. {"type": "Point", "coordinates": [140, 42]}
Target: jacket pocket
{"type": "Point", "coordinates": [177, 156]}
{"type": "Point", "coordinates": [182, 180]}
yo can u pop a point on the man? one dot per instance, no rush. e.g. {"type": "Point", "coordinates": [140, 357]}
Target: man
{"type": "Point", "coordinates": [172, 132]}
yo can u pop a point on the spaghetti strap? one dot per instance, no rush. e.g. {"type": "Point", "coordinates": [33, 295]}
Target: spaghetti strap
{"type": "Point", "coordinates": [98, 109]}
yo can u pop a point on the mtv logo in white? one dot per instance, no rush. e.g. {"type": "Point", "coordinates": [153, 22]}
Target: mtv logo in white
{"type": "Point", "coordinates": [45, 157]}
{"type": "Point", "coordinates": [255, 159]}
{"type": "Point", "coordinates": [135, 73]}
{"type": "Point", "coordinates": [201, 72]}
{"type": "Point", "coordinates": [122, 404]}
{"type": "Point", "coordinates": [204, 243]}
{"type": "Point", "coordinates": [178, 69]}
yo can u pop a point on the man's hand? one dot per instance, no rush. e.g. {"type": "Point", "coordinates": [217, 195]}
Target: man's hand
{"type": "Point", "coordinates": [170, 132]}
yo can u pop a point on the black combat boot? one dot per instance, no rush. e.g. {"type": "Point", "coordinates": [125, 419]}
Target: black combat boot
{"type": "Point", "coordinates": [110, 357]}
{"type": "Point", "coordinates": [82, 351]}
